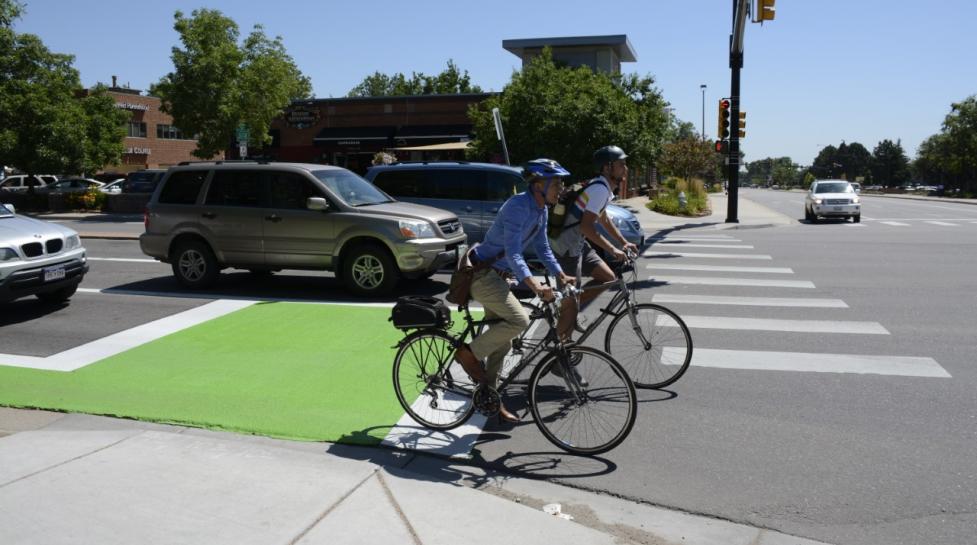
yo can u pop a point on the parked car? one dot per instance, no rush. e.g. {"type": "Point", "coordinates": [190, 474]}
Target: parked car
{"type": "Point", "coordinates": [38, 258]}
{"type": "Point", "coordinates": [857, 187]}
{"type": "Point", "coordinates": [71, 185]}
{"type": "Point", "coordinates": [475, 192]}
{"type": "Point", "coordinates": [832, 198]}
{"type": "Point", "coordinates": [266, 217]}
{"type": "Point", "coordinates": [143, 181]}
{"type": "Point", "coordinates": [21, 182]}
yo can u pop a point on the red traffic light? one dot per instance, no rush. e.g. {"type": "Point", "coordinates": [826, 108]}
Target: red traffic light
{"type": "Point", "coordinates": [724, 103]}
{"type": "Point", "coordinates": [721, 146]}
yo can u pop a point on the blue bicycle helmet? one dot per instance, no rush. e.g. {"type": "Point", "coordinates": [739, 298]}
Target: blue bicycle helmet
{"type": "Point", "coordinates": [544, 168]}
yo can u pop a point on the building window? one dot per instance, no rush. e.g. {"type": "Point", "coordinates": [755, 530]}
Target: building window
{"type": "Point", "coordinates": [168, 132]}
{"type": "Point", "coordinates": [137, 129]}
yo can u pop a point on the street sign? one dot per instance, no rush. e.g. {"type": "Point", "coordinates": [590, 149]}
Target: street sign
{"type": "Point", "coordinates": [243, 150]}
{"type": "Point", "coordinates": [242, 133]}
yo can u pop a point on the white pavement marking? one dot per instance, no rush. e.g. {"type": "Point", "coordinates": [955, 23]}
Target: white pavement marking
{"type": "Point", "coordinates": [702, 237]}
{"type": "Point", "coordinates": [457, 442]}
{"type": "Point", "coordinates": [818, 363]}
{"type": "Point", "coordinates": [764, 324]}
{"type": "Point", "coordinates": [690, 239]}
{"type": "Point", "coordinates": [855, 224]}
{"type": "Point", "coordinates": [86, 354]}
{"type": "Point", "coordinates": [748, 301]}
{"type": "Point", "coordinates": [125, 260]}
{"type": "Point", "coordinates": [693, 245]}
{"type": "Point", "coordinates": [895, 223]}
{"type": "Point", "coordinates": [721, 268]}
{"type": "Point", "coordinates": [718, 281]}
{"type": "Point", "coordinates": [705, 256]}
{"type": "Point", "coordinates": [943, 223]}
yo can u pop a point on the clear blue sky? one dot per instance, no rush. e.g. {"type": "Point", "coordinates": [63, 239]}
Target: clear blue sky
{"type": "Point", "coordinates": [822, 72]}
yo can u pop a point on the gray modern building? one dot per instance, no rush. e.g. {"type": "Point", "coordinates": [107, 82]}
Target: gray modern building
{"type": "Point", "coordinates": [601, 53]}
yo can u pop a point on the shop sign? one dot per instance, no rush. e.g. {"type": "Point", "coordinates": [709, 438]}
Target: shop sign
{"type": "Point", "coordinates": [302, 118]}
{"type": "Point", "coordinates": [348, 143]}
{"type": "Point", "coordinates": [137, 151]}
{"type": "Point", "coordinates": [132, 106]}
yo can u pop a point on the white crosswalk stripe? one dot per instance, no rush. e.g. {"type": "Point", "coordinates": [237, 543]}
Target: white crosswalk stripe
{"type": "Point", "coordinates": [819, 363]}
{"type": "Point", "coordinates": [665, 298]}
{"type": "Point", "coordinates": [799, 326]}
{"type": "Point", "coordinates": [895, 223]}
{"type": "Point", "coordinates": [722, 281]}
{"type": "Point", "coordinates": [721, 268]}
{"type": "Point", "coordinates": [696, 245]}
{"type": "Point", "coordinates": [943, 223]}
{"type": "Point", "coordinates": [705, 256]}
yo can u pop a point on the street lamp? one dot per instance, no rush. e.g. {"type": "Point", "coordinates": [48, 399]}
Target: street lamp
{"type": "Point", "coordinates": [703, 88]}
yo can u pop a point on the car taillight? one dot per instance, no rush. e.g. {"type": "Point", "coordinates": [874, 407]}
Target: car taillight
{"type": "Point", "coordinates": [145, 219]}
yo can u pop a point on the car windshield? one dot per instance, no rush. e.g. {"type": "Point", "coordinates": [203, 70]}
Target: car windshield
{"type": "Point", "coordinates": [840, 187]}
{"type": "Point", "coordinates": [355, 191]}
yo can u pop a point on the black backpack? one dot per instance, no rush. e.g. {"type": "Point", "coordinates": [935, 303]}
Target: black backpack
{"type": "Point", "coordinates": [558, 219]}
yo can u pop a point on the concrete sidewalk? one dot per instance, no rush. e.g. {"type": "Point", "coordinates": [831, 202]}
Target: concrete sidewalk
{"type": "Point", "coordinates": [750, 215]}
{"type": "Point", "coordinates": [70, 478]}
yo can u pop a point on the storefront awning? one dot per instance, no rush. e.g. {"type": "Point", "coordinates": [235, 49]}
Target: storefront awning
{"type": "Point", "coordinates": [433, 132]}
{"type": "Point", "coordinates": [435, 147]}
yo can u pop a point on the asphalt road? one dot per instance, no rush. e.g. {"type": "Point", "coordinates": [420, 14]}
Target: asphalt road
{"type": "Point", "coordinates": [844, 457]}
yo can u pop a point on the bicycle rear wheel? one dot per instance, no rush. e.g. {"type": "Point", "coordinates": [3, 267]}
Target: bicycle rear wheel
{"type": "Point", "coordinates": [433, 389]}
{"type": "Point", "coordinates": [657, 357]}
{"type": "Point", "coordinates": [583, 419]}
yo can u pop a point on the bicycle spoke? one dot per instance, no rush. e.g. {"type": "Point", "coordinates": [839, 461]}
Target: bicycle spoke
{"type": "Point", "coordinates": [653, 345]}
{"type": "Point", "coordinates": [433, 389]}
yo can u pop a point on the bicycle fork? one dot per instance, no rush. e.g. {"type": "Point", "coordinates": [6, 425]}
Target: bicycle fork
{"type": "Point", "coordinates": [633, 316]}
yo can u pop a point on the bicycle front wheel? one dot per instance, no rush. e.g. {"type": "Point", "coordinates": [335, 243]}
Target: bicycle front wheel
{"type": "Point", "coordinates": [582, 419]}
{"type": "Point", "coordinates": [433, 388]}
{"type": "Point", "coordinates": [655, 349]}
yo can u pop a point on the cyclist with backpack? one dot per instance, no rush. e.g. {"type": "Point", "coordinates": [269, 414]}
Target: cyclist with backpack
{"type": "Point", "coordinates": [572, 237]}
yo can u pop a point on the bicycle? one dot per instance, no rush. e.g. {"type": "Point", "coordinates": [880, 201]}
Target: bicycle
{"type": "Point", "coordinates": [437, 393]}
{"type": "Point", "coordinates": [655, 350]}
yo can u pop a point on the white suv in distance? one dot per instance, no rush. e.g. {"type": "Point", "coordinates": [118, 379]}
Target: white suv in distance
{"type": "Point", "coordinates": [832, 199]}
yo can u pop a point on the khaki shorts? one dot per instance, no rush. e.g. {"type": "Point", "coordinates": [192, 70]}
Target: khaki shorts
{"type": "Point", "coordinates": [588, 261]}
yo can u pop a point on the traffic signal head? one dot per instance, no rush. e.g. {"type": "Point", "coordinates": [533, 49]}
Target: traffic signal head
{"type": "Point", "coordinates": [721, 146]}
{"type": "Point", "coordinates": [742, 124]}
{"type": "Point", "coordinates": [765, 11]}
{"type": "Point", "coordinates": [723, 129]}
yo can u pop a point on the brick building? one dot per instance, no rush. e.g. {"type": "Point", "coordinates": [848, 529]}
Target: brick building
{"type": "Point", "coordinates": [349, 131]}
{"type": "Point", "coordinates": [151, 140]}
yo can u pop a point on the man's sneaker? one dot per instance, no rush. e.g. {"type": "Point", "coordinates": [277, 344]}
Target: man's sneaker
{"type": "Point", "coordinates": [557, 370]}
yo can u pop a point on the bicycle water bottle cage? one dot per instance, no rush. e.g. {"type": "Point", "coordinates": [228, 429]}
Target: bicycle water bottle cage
{"type": "Point", "coordinates": [487, 400]}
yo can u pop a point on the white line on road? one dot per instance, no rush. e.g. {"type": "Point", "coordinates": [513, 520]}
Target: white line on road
{"type": "Point", "coordinates": [705, 256]}
{"type": "Point", "coordinates": [684, 245]}
{"type": "Point", "coordinates": [943, 223]}
{"type": "Point", "coordinates": [721, 268]}
{"type": "Point", "coordinates": [819, 363]}
{"type": "Point", "coordinates": [125, 260]}
{"type": "Point", "coordinates": [748, 301]}
{"type": "Point", "coordinates": [794, 326]}
{"type": "Point", "coordinates": [717, 281]}
{"type": "Point", "coordinates": [690, 239]}
{"type": "Point", "coordinates": [895, 223]}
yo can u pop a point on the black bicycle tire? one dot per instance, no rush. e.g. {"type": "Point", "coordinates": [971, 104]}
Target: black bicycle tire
{"type": "Point", "coordinates": [543, 368]}
{"type": "Point", "coordinates": [407, 406]}
{"type": "Point", "coordinates": [635, 376]}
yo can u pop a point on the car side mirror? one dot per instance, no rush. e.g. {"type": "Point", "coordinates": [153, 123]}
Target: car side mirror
{"type": "Point", "coordinates": [11, 208]}
{"type": "Point", "coordinates": [317, 203]}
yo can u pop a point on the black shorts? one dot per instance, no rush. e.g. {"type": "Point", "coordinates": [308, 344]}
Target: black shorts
{"type": "Point", "coordinates": [588, 259]}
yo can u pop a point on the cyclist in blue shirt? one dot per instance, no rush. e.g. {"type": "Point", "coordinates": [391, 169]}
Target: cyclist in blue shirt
{"type": "Point", "coordinates": [521, 221]}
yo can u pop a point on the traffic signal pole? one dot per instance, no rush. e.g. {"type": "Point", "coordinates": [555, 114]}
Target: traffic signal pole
{"type": "Point", "coordinates": [735, 64]}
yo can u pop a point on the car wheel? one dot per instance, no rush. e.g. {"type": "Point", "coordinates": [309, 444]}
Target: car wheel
{"type": "Point", "coordinates": [807, 214]}
{"type": "Point", "coordinates": [57, 296]}
{"type": "Point", "coordinates": [194, 264]}
{"type": "Point", "coordinates": [856, 219]}
{"type": "Point", "coordinates": [369, 270]}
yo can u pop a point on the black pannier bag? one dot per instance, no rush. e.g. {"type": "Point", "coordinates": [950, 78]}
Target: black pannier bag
{"type": "Point", "coordinates": [417, 312]}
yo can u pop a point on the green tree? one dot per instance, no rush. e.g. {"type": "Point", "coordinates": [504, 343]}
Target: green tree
{"type": "Point", "coordinates": [890, 166]}
{"type": "Point", "coordinates": [781, 171]}
{"type": "Point", "coordinates": [931, 160]}
{"type": "Point", "coordinates": [688, 159]}
{"type": "Point", "coordinates": [449, 82]}
{"type": "Point", "coordinates": [855, 160]}
{"type": "Point", "coordinates": [566, 114]}
{"type": "Point", "coordinates": [217, 84]}
{"type": "Point", "coordinates": [49, 123]}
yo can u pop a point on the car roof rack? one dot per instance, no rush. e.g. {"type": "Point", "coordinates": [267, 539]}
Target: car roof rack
{"type": "Point", "coordinates": [443, 162]}
{"type": "Point", "coordinates": [226, 161]}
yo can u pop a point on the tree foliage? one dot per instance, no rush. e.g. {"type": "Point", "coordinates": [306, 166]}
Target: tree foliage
{"type": "Point", "coordinates": [781, 171]}
{"type": "Point", "coordinates": [950, 157]}
{"type": "Point", "coordinates": [890, 166]}
{"type": "Point", "coordinates": [566, 114]}
{"type": "Point", "coordinates": [49, 123]}
{"type": "Point", "coordinates": [449, 82]}
{"type": "Point", "coordinates": [218, 84]}
{"type": "Point", "coordinates": [847, 161]}
{"type": "Point", "coordinates": [689, 158]}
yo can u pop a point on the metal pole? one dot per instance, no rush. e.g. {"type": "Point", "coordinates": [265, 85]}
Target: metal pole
{"type": "Point", "coordinates": [735, 64]}
{"type": "Point", "coordinates": [703, 87]}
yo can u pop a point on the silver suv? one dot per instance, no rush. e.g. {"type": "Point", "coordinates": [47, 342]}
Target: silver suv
{"type": "Point", "coordinates": [266, 217]}
{"type": "Point", "coordinates": [832, 199]}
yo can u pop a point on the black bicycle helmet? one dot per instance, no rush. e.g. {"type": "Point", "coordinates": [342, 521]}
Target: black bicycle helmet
{"type": "Point", "coordinates": [608, 154]}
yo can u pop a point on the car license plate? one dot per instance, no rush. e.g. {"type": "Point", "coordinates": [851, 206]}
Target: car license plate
{"type": "Point", "coordinates": [837, 209]}
{"type": "Point", "coordinates": [54, 273]}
